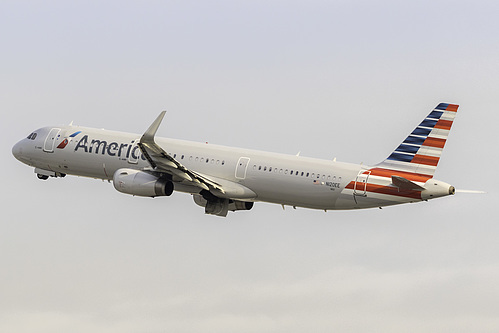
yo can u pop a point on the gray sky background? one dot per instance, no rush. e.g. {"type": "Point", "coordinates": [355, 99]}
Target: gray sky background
{"type": "Point", "coordinates": [345, 79]}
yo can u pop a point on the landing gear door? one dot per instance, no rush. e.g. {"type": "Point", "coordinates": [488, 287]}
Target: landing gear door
{"type": "Point", "coordinates": [360, 187]}
{"type": "Point", "coordinates": [49, 144]}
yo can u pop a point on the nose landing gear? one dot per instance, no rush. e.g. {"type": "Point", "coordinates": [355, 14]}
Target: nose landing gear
{"type": "Point", "coordinates": [42, 177]}
{"type": "Point", "coordinates": [45, 174]}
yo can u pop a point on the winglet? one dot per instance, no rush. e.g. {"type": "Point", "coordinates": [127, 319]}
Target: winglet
{"type": "Point", "coordinates": [151, 131]}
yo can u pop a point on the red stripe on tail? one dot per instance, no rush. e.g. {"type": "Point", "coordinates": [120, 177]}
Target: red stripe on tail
{"type": "Point", "coordinates": [388, 190]}
{"type": "Point", "coordinates": [426, 160]}
{"type": "Point", "coordinates": [444, 124]}
{"type": "Point", "coordinates": [415, 177]}
{"type": "Point", "coordinates": [434, 142]}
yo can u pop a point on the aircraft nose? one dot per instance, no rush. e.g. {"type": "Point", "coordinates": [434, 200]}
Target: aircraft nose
{"type": "Point", "coordinates": [17, 150]}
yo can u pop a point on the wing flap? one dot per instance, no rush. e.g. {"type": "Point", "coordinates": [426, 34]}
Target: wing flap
{"type": "Point", "coordinates": [233, 190]}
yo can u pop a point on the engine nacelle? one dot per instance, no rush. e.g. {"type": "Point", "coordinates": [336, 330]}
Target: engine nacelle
{"type": "Point", "coordinates": [141, 183]}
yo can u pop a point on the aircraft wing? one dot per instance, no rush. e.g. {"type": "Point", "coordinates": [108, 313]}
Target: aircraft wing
{"type": "Point", "coordinates": [162, 162]}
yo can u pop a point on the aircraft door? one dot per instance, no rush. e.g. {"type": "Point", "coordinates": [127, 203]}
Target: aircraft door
{"type": "Point", "coordinates": [360, 187]}
{"type": "Point", "coordinates": [241, 167]}
{"type": "Point", "coordinates": [49, 144]}
{"type": "Point", "coordinates": [133, 157]}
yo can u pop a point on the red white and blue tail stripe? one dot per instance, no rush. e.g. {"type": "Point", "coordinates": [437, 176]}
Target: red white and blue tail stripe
{"type": "Point", "coordinates": [420, 152]}
{"type": "Point", "coordinates": [404, 176]}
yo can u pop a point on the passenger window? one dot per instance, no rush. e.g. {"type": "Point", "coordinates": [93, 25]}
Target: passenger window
{"type": "Point", "coordinates": [270, 169]}
{"type": "Point", "coordinates": [197, 159]}
{"type": "Point", "coordinates": [291, 172]}
{"type": "Point", "coordinates": [223, 162]}
{"type": "Point", "coordinates": [207, 160]}
{"type": "Point", "coordinates": [182, 157]}
{"type": "Point", "coordinates": [264, 168]}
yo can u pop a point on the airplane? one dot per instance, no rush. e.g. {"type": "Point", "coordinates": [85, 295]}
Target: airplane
{"type": "Point", "coordinates": [223, 179]}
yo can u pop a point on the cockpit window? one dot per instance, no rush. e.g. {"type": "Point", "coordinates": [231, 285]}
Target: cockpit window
{"type": "Point", "coordinates": [32, 136]}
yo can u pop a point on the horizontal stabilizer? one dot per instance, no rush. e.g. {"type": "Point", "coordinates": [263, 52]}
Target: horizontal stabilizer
{"type": "Point", "coordinates": [406, 184]}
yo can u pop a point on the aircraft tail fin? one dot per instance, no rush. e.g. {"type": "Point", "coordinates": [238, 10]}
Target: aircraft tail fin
{"type": "Point", "coordinates": [420, 152]}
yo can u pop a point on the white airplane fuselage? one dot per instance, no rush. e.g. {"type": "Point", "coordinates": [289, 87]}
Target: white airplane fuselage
{"type": "Point", "coordinates": [266, 174]}
{"type": "Point", "coordinates": [227, 173]}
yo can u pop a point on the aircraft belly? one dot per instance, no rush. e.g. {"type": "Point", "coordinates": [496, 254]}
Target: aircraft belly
{"type": "Point", "coordinates": [295, 194]}
{"type": "Point", "coordinates": [378, 200]}
{"type": "Point", "coordinates": [85, 165]}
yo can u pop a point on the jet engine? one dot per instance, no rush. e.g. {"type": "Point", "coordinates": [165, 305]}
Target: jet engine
{"type": "Point", "coordinates": [142, 183]}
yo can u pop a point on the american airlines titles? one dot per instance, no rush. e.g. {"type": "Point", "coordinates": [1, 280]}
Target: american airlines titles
{"type": "Point", "coordinates": [124, 150]}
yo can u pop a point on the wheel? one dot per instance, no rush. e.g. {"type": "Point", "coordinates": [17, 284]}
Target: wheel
{"type": "Point", "coordinates": [42, 177]}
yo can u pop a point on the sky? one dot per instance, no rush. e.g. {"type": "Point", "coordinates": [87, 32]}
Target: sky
{"type": "Point", "coordinates": [331, 79]}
